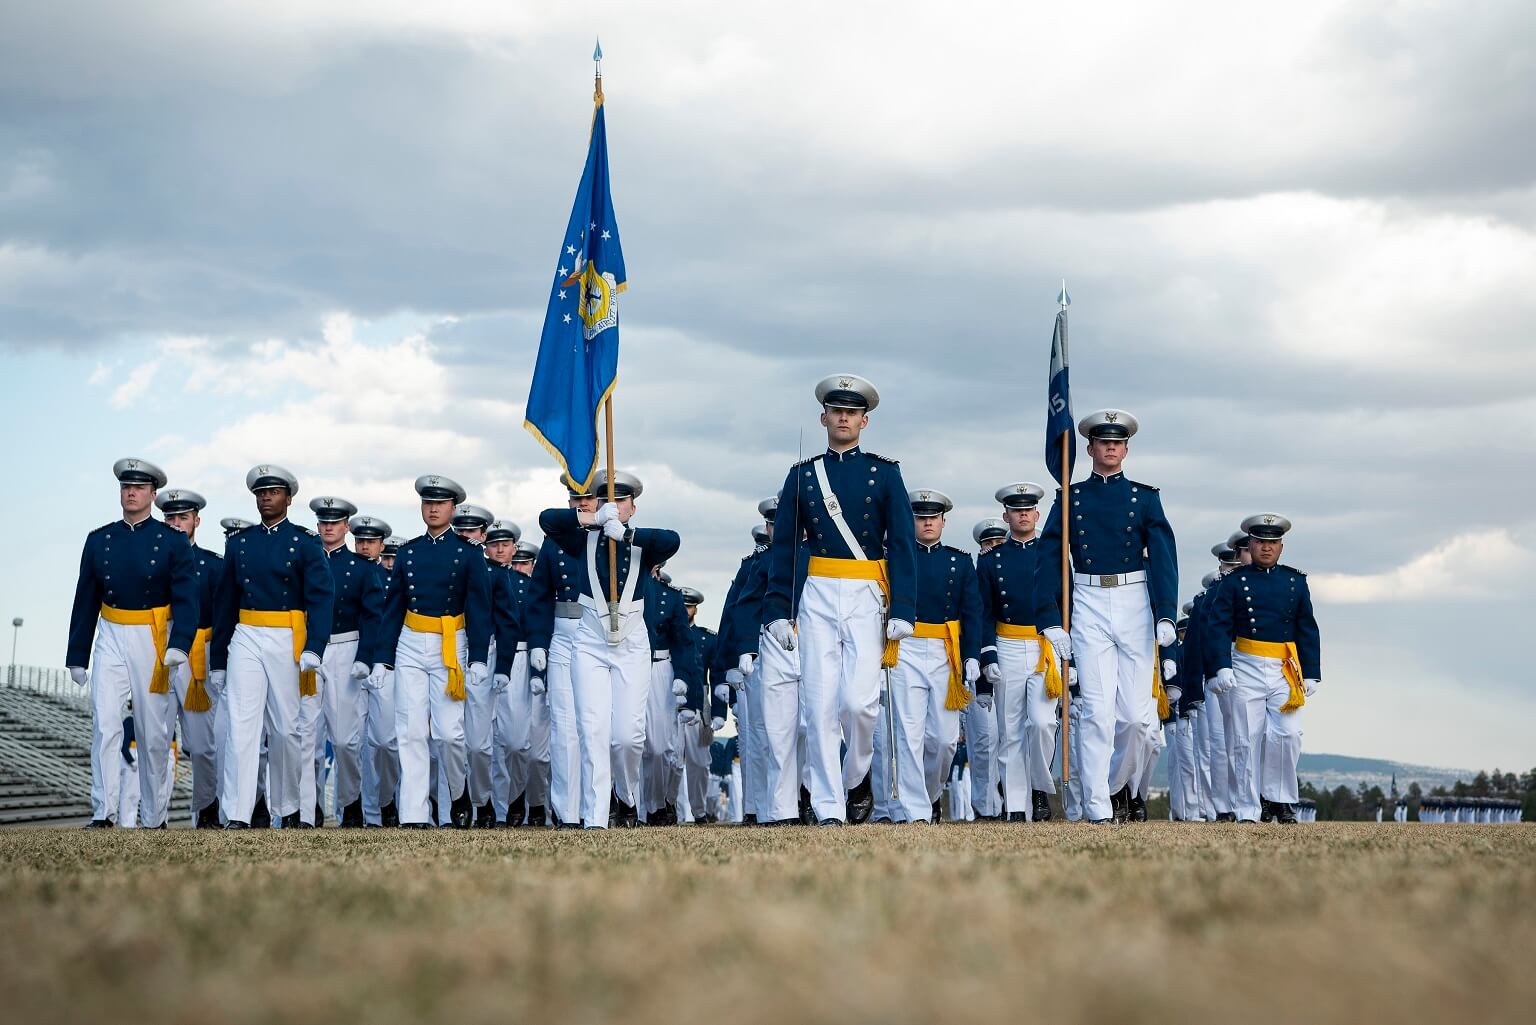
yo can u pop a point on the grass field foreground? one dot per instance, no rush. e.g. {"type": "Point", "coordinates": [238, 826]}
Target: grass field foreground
{"type": "Point", "coordinates": [1001, 923]}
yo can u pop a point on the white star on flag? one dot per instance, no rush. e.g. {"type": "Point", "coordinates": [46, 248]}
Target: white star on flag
{"type": "Point", "coordinates": [562, 293]}
{"type": "Point", "coordinates": [606, 235]}
{"type": "Point", "coordinates": [567, 318]}
{"type": "Point", "coordinates": [570, 250]}
{"type": "Point", "coordinates": [563, 272]}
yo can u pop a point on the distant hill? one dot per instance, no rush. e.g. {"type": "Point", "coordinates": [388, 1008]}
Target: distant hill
{"type": "Point", "coordinates": [1328, 771]}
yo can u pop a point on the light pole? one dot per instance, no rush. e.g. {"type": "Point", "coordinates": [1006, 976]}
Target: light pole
{"type": "Point", "coordinates": [15, 631]}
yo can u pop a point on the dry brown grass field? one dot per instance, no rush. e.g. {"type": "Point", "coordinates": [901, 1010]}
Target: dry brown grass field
{"type": "Point", "coordinates": [1158, 922]}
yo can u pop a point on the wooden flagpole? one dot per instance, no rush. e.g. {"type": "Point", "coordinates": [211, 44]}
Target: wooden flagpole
{"type": "Point", "coordinates": [1066, 605]}
{"type": "Point", "coordinates": [613, 546]}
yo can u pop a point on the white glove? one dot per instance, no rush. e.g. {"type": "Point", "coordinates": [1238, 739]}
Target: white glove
{"type": "Point", "coordinates": [679, 687]}
{"type": "Point", "coordinates": [1310, 686]}
{"type": "Point", "coordinates": [308, 661]}
{"type": "Point", "coordinates": [734, 677]}
{"type": "Point", "coordinates": [359, 670]}
{"type": "Point", "coordinates": [1060, 643]}
{"type": "Point", "coordinates": [538, 659]}
{"type": "Point", "coordinates": [174, 657]}
{"type": "Point", "coordinates": [687, 717]}
{"type": "Point", "coordinates": [613, 529]}
{"type": "Point", "coordinates": [78, 675]}
{"type": "Point", "coordinates": [477, 674]}
{"type": "Point", "coordinates": [1225, 681]}
{"type": "Point", "coordinates": [1170, 669]}
{"type": "Point", "coordinates": [745, 663]}
{"type": "Point", "coordinates": [536, 684]}
{"type": "Point", "coordinates": [984, 702]}
{"type": "Point", "coordinates": [215, 683]}
{"type": "Point", "coordinates": [898, 630]}
{"type": "Point", "coordinates": [1167, 636]}
{"type": "Point", "coordinates": [679, 700]}
{"type": "Point", "coordinates": [972, 672]}
{"type": "Point", "coordinates": [500, 682]}
{"type": "Point", "coordinates": [782, 633]}
{"type": "Point", "coordinates": [716, 724]}
{"type": "Point", "coordinates": [376, 677]}
{"type": "Point", "coordinates": [993, 673]}
{"type": "Point", "coordinates": [722, 692]}
{"type": "Point", "coordinates": [1173, 693]}
{"type": "Point", "coordinates": [607, 513]}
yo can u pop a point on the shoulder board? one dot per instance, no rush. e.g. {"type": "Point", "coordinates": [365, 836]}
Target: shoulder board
{"type": "Point", "coordinates": [477, 544]}
{"type": "Point", "coordinates": [957, 551]}
{"type": "Point", "coordinates": [102, 529]}
{"type": "Point", "coordinates": [306, 530]}
{"type": "Point", "coordinates": [883, 459]}
{"type": "Point", "coordinates": [807, 461]}
{"type": "Point", "coordinates": [214, 555]}
{"type": "Point", "coordinates": [1139, 484]}
{"type": "Point", "coordinates": [1293, 569]}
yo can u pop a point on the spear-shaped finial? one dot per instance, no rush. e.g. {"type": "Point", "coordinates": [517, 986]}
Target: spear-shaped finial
{"type": "Point", "coordinates": [1063, 299]}
{"type": "Point", "coordinates": [597, 60]}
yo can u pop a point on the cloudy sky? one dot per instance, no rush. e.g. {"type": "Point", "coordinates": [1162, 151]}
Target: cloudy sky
{"type": "Point", "coordinates": [1300, 241]}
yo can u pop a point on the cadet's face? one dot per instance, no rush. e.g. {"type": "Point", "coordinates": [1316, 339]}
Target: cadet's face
{"type": "Point", "coordinates": [693, 612]}
{"type": "Point", "coordinates": [929, 528]}
{"type": "Point", "coordinates": [436, 514]}
{"type": "Point", "coordinates": [368, 547]}
{"type": "Point", "coordinates": [769, 526]}
{"type": "Point", "coordinates": [186, 522]}
{"type": "Point", "coordinates": [387, 561]}
{"type": "Point", "coordinates": [843, 425]}
{"type": "Point", "coordinates": [990, 543]}
{"type": "Point", "coordinates": [626, 507]}
{"type": "Point", "coordinates": [332, 534]}
{"type": "Point", "coordinates": [1245, 556]}
{"type": "Point", "coordinates": [474, 534]}
{"type": "Point", "coordinates": [525, 568]}
{"type": "Point", "coordinates": [586, 503]}
{"type": "Point", "coordinates": [135, 498]}
{"type": "Point", "coordinates": [272, 504]}
{"type": "Point", "coordinates": [500, 551]}
{"type": "Point", "coordinates": [1022, 522]}
{"type": "Point", "coordinates": [1265, 553]}
{"type": "Point", "coordinates": [1107, 454]}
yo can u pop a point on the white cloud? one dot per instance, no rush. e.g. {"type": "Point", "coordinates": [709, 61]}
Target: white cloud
{"type": "Point", "coordinates": [1483, 564]}
{"type": "Point", "coordinates": [135, 384]}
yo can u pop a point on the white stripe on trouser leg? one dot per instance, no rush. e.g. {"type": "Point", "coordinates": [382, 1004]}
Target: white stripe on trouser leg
{"type": "Point", "coordinates": [110, 694]}
{"type": "Point", "coordinates": [981, 754]}
{"type": "Point", "coordinates": [261, 688]}
{"type": "Point", "coordinates": [480, 732]}
{"type": "Point", "coordinates": [1031, 723]}
{"type": "Point", "coordinates": [1112, 645]}
{"type": "Point", "coordinates": [660, 717]}
{"type": "Point", "coordinates": [197, 742]}
{"type": "Point", "coordinates": [428, 724]}
{"type": "Point", "coordinates": [840, 642]}
{"type": "Point", "coordinates": [381, 755]}
{"type": "Point", "coordinates": [776, 677]}
{"type": "Point", "coordinates": [342, 702]}
{"type": "Point", "coordinates": [609, 684]}
{"type": "Point", "coordinates": [922, 670]}
{"type": "Point", "coordinates": [565, 765]}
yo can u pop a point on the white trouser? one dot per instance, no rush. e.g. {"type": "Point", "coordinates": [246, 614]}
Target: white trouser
{"type": "Point", "coordinates": [733, 800]}
{"type": "Point", "coordinates": [1185, 779]}
{"type": "Point", "coordinates": [1141, 777]}
{"type": "Point", "coordinates": [480, 733]}
{"type": "Point", "coordinates": [341, 702]}
{"type": "Point", "coordinates": [880, 761]}
{"type": "Point", "coordinates": [660, 752]}
{"type": "Point", "coordinates": [381, 755]}
{"type": "Point", "coordinates": [841, 639]}
{"type": "Point", "coordinates": [695, 743]}
{"type": "Point", "coordinates": [429, 725]}
{"type": "Point", "coordinates": [129, 785]}
{"type": "Point", "coordinates": [522, 736]}
{"type": "Point", "coordinates": [1112, 644]}
{"type": "Point", "coordinates": [981, 753]}
{"type": "Point", "coordinates": [746, 749]}
{"type": "Point", "coordinates": [311, 752]}
{"type": "Point", "coordinates": [960, 795]}
{"type": "Point", "coordinates": [122, 665]}
{"type": "Point", "coordinates": [566, 784]}
{"type": "Point", "coordinates": [261, 688]}
{"type": "Point", "coordinates": [1207, 719]}
{"type": "Point", "coordinates": [1224, 770]}
{"type": "Point", "coordinates": [1072, 790]}
{"type": "Point", "coordinates": [1027, 724]}
{"type": "Point", "coordinates": [197, 741]}
{"type": "Point", "coordinates": [776, 683]}
{"type": "Point", "coordinates": [924, 731]}
{"type": "Point", "coordinates": [1267, 741]}
{"type": "Point", "coordinates": [609, 683]}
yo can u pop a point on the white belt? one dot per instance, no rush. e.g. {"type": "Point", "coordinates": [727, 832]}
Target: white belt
{"type": "Point", "coordinates": [661, 655]}
{"type": "Point", "coordinates": [350, 635]}
{"type": "Point", "coordinates": [626, 608]}
{"type": "Point", "coordinates": [567, 610]}
{"type": "Point", "coordinates": [1109, 579]}
{"type": "Point", "coordinates": [522, 645]}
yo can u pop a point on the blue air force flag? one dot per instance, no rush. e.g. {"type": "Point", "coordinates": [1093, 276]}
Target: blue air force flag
{"type": "Point", "coordinates": [1058, 414]}
{"type": "Point", "coordinates": [579, 349]}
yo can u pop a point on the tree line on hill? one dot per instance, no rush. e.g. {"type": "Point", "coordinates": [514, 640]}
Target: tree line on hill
{"type": "Point", "coordinates": [1342, 804]}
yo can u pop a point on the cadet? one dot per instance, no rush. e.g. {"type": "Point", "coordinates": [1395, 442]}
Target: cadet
{"type": "Point", "coordinates": [1018, 662]}
{"type": "Point", "coordinates": [272, 618]}
{"type": "Point", "coordinates": [610, 666]}
{"type": "Point", "coordinates": [357, 614]}
{"type": "Point", "coordinates": [553, 615]}
{"type": "Point", "coordinates": [741, 621]}
{"type": "Point", "coordinates": [471, 522]}
{"type": "Point", "coordinates": [984, 799]}
{"type": "Point", "coordinates": [133, 621]}
{"type": "Point", "coordinates": [371, 539]}
{"type": "Point", "coordinates": [261, 817]}
{"type": "Point", "coordinates": [437, 621]}
{"type": "Point", "coordinates": [534, 736]}
{"type": "Point", "coordinates": [1124, 597]}
{"type": "Point", "coordinates": [391, 549]}
{"type": "Point", "coordinates": [674, 671]}
{"type": "Point", "coordinates": [857, 600]}
{"type": "Point", "coordinates": [1265, 647]}
{"type": "Point", "coordinates": [509, 649]}
{"type": "Point", "coordinates": [697, 735]}
{"type": "Point", "coordinates": [938, 667]}
{"type": "Point", "coordinates": [181, 509]}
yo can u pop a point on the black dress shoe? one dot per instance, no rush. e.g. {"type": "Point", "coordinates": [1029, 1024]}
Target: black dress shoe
{"type": "Point", "coordinates": [352, 815]}
{"type": "Point", "coordinates": [1285, 814]}
{"type": "Point", "coordinates": [669, 814]}
{"type": "Point", "coordinates": [1018, 816]}
{"type": "Point", "coordinates": [98, 824]}
{"type": "Point", "coordinates": [291, 820]}
{"type": "Point", "coordinates": [319, 816]}
{"type": "Point", "coordinates": [415, 825]}
{"type": "Point", "coordinates": [1137, 809]}
{"type": "Point", "coordinates": [560, 824]}
{"type": "Point", "coordinates": [830, 822]}
{"type": "Point", "coordinates": [485, 816]}
{"type": "Point", "coordinates": [1040, 804]}
{"type": "Point", "coordinates": [629, 816]}
{"type": "Point", "coordinates": [372, 825]}
{"type": "Point", "coordinates": [1226, 816]}
{"type": "Point", "coordinates": [861, 801]}
{"type": "Point", "coordinates": [236, 824]}
{"type": "Point", "coordinates": [936, 813]}
{"type": "Point", "coordinates": [1120, 804]}
{"type": "Point", "coordinates": [432, 810]}
{"type": "Point", "coordinates": [807, 813]}
{"type": "Point", "coordinates": [460, 811]}
{"type": "Point", "coordinates": [261, 816]}
{"type": "Point", "coordinates": [208, 817]}
{"type": "Point", "coordinates": [1266, 811]}
{"type": "Point", "coordinates": [535, 815]}
{"type": "Point", "coordinates": [749, 819]}
{"type": "Point", "coordinates": [389, 815]}
{"type": "Point", "coordinates": [515, 810]}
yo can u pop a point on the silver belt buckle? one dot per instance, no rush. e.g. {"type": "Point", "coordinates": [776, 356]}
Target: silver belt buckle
{"type": "Point", "coordinates": [1109, 580]}
{"type": "Point", "coordinates": [834, 507]}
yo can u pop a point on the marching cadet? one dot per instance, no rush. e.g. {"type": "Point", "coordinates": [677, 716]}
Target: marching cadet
{"type": "Point", "coordinates": [181, 509]}
{"type": "Point", "coordinates": [552, 619]}
{"type": "Point", "coordinates": [391, 549]}
{"type": "Point", "coordinates": [737, 659]}
{"type": "Point", "coordinates": [436, 634]}
{"type": "Point", "coordinates": [674, 671]}
{"type": "Point", "coordinates": [1124, 597]}
{"type": "Point", "coordinates": [471, 522]}
{"type": "Point", "coordinates": [535, 740]}
{"type": "Point", "coordinates": [272, 618]}
{"type": "Point", "coordinates": [857, 600]}
{"type": "Point", "coordinates": [938, 667]}
{"type": "Point", "coordinates": [261, 817]}
{"type": "Point", "coordinates": [984, 800]}
{"type": "Point", "coordinates": [1184, 756]}
{"type": "Point", "coordinates": [133, 622]}
{"type": "Point", "coordinates": [357, 613]}
{"type": "Point", "coordinates": [1018, 663]}
{"type": "Point", "coordinates": [514, 703]}
{"type": "Point", "coordinates": [1265, 647]}
{"type": "Point", "coordinates": [371, 538]}
{"type": "Point", "coordinates": [610, 665]}
{"type": "Point", "coordinates": [1210, 733]}
{"type": "Point", "coordinates": [697, 735]}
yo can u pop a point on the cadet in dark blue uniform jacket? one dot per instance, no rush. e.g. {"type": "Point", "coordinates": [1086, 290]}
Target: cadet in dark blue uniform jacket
{"type": "Point", "coordinates": [674, 670]}
{"type": "Point", "coordinates": [134, 617]}
{"type": "Point", "coordinates": [372, 540]}
{"type": "Point", "coordinates": [697, 731]}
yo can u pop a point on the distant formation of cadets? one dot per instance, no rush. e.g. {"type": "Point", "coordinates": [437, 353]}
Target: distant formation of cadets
{"type": "Point", "coordinates": [464, 678]}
